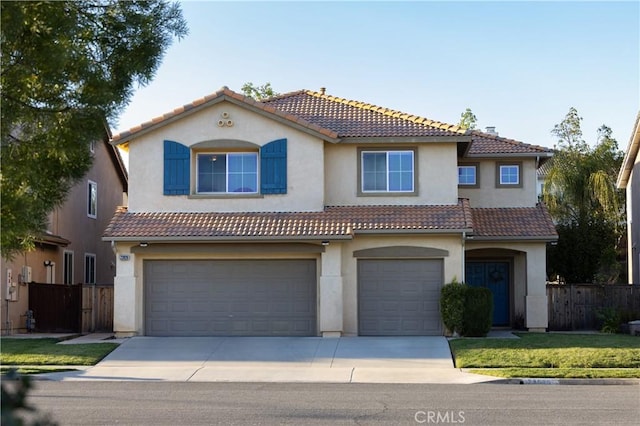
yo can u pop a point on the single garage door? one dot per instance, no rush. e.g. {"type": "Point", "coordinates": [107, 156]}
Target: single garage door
{"type": "Point", "coordinates": [230, 297]}
{"type": "Point", "coordinates": [399, 297]}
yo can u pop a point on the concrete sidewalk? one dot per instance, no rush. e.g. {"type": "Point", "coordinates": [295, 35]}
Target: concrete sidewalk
{"type": "Point", "coordinates": [279, 359]}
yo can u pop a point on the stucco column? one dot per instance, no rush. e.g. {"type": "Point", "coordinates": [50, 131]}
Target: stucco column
{"type": "Point", "coordinates": [330, 292]}
{"type": "Point", "coordinates": [125, 293]}
{"type": "Point", "coordinates": [536, 298]}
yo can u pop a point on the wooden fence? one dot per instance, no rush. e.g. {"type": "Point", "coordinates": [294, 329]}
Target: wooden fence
{"type": "Point", "coordinates": [71, 308]}
{"type": "Point", "coordinates": [56, 307]}
{"type": "Point", "coordinates": [575, 306]}
{"type": "Point", "coordinates": [97, 308]}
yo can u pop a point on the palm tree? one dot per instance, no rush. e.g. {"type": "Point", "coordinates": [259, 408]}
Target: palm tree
{"type": "Point", "coordinates": [580, 192]}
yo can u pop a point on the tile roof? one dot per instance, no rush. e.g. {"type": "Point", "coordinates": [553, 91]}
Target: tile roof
{"type": "Point", "coordinates": [544, 169]}
{"type": "Point", "coordinates": [349, 118]}
{"type": "Point", "coordinates": [337, 222]}
{"type": "Point", "coordinates": [486, 144]}
{"type": "Point", "coordinates": [516, 222]}
{"type": "Point", "coordinates": [333, 221]}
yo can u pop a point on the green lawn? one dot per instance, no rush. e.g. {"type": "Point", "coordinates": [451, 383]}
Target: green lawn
{"type": "Point", "coordinates": [551, 355]}
{"type": "Point", "coordinates": [47, 352]}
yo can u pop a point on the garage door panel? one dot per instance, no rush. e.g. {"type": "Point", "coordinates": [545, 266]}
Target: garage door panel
{"type": "Point", "coordinates": [303, 308]}
{"type": "Point", "coordinates": [230, 297]}
{"type": "Point", "coordinates": [399, 296]}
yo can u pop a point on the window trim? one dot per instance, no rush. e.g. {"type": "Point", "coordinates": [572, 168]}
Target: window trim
{"type": "Point", "coordinates": [91, 280]}
{"type": "Point", "coordinates": [476, 166]}
{"type": "Point", "coordinates": [412, 193]}
{"type": "Point", "coordinates": [90, 213]}
{"type": "Point", "coordinates": [195, 193]}
{"type": "Point", "coordinates": [67, 267]}
{"type": "Point", "coordinates": [500, 165]}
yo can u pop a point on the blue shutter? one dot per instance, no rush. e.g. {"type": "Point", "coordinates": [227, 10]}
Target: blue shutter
{"type": "Point", "coordinates": [176, 169]}
{"type": "Point", "coordinates": [273, 167]}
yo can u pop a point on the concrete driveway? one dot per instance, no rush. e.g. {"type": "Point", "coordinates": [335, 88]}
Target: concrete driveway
{"type": "Point", "coordinates": [280, 359]}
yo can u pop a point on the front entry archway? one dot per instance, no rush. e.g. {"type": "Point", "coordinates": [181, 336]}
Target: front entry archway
{"type": "Point", "coordinates": [495, 277]}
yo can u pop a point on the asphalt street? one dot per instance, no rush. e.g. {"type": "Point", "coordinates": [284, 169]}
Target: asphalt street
{"type": "Point", "coordinates": [164, 403]}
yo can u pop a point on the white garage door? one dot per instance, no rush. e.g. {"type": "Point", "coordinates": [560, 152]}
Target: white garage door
{"type": "Point", "coordinates": [230, 297]}
{"type": "Point", "coordinates": [399, 297]}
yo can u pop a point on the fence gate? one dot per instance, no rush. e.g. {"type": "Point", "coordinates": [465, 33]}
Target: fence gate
{"type": "Point", "coordinates": [97, 308]}
{"type": "Point", "coordinates": [57, 308]}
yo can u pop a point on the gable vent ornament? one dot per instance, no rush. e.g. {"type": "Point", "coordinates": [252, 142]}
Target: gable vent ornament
{"type": "Point", "coordinates": [225, 121]}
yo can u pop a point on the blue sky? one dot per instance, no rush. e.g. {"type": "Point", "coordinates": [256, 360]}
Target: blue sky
{"type": "Point", "coordinates": [519, 66]}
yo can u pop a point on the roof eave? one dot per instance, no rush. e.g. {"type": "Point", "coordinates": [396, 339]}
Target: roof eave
{"type": "Point", "coordinates": [404, 139]}
{"type": "Point", "coordinates": [138, 239]}
{"type": "Point", "coordinates": [53, 240]}
{"type": "Point", "coordinates": [514, 238]}
{"type": "Point", "coordinates": [510, 155]}
{"type": "Point", "coordinates": [441, 231]}
{"type": "Point", "coordinates": [630, 156]}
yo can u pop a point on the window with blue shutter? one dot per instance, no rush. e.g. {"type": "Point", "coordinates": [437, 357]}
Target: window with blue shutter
{"type": "Point", "coordinates": [273, 167]}
{"type": "Point", "coordinates": [176, 168]}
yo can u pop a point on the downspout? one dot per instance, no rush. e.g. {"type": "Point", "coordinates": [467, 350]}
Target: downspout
{"type": "Point", "coordinates": [464, 268]}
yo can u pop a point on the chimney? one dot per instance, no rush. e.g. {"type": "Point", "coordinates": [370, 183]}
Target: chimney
{"type": "Point", "coordinates": [322, 90]}
{"type": "Point", "coordinates": [491, 130]}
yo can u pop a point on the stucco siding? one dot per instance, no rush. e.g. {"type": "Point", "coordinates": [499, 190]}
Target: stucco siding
{"type": "Point", "coordinates": [435, 167]}
{"type": "Point", "coordinates": [489, 195]}
{"type": "Point", "coordinates": [305, 172]}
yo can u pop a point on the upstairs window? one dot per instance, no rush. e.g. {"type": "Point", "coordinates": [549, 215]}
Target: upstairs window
{"type": "Point", "coordinates": [227, 173]}
{"type": "Point", "coordinates": [508, 175]}
{"type": "Point", "coordinates": [467, 175]}
{"type": "Point", "coordinates": [220, 173]}
{"type": "Point", "coordinates": [387, 171]}
{"type": "Point", "coordinates": [92, 199]}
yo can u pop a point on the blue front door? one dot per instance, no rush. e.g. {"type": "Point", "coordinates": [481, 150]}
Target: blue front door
{"type": "Point", "coordinates": [495, 277]}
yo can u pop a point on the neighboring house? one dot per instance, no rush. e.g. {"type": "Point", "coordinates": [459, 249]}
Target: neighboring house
{"type": "Point", "coordinates": [71, 251]}
{"type": "Point", "coordinates": [542, 173]}
{"type": "Point", "coordinates": [308, 214]}
{"type": "Point", "coordinates": [629, 179]}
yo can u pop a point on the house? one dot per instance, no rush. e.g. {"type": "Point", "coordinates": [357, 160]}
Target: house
{"type": "Point", "coordinates": [71, 251]}
{"type": "Point", "coordinates": [629, 179]}
{"type": "Point", "coordinates": [312, 215]}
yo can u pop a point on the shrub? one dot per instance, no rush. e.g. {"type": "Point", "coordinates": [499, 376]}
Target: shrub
{"type": "Point", "coordinates": [478, 312]}
{"type": "Point", "coordinates": [610, 320]}
{"type": "Point", "coordinates": [452, 305]}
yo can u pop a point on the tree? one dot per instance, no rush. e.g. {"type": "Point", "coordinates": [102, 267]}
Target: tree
{"type": "Point", "coordinates": [581, 194]}
{"type": "Point", "coordinates": [16, 410]}
{"type": "Point", "coordinates": [468, 120]}
{"type": "Point", "coordinates": [258, 92]}
{"type": "Point", "coordinates": [68, 68]}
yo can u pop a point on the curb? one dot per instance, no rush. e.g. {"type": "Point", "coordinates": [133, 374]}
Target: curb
{"type": "Point", "coordinates": [44, 375]}
{"type": "Point", "coordinates": [550, 381]}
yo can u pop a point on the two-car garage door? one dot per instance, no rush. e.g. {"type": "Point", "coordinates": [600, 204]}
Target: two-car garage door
{"type": "Point", "coordinates": [230, 297]}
